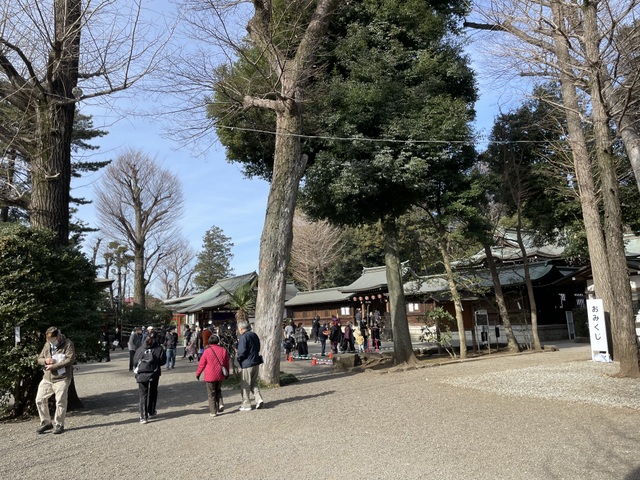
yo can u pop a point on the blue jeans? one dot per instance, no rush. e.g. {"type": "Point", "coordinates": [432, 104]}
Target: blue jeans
{"type": "Point", "coordinates": [171, 358]}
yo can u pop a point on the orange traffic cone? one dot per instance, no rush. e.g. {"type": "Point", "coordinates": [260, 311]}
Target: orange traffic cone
{"type": "Point", "coordinates": [330, 355]}
{"type": "Point", "coordinates": [290, 358]}
{"type": "Point", "coordinates": [314, 361]}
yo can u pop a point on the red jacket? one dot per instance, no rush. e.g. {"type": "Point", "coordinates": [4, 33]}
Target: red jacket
{"type": "Point", "coordinates": [212, 364]}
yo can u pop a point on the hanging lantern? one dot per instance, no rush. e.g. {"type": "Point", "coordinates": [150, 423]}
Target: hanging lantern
{"type": "Point", "coordinates": [360, 298]}
{"type": "Point", "coordinates": [379, 295]}
{"type": "Point", "coordinates": [355, 299]}
{"type": "Point", "coordinates": [366, 297]}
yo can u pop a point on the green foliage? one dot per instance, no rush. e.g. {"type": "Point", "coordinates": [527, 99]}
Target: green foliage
{"type": "Point", "coordinates": [395, 75]}
{"type": "Point", "coordinates": [531, 166]}
{"type": "Point", "coordinates": [157, 316]}
{"type": "Point", "coordinates": [243, 301]}
{"type": "Point", "coordinates": [214, 259]}
{"type": "Point", "coordinates": [41, 286]}
{"type": "Point", "coordinates": [437, 329]}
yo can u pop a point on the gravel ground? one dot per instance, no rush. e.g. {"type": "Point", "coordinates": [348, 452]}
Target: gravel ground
{"type": "Point", "coordinates": [553, 415]}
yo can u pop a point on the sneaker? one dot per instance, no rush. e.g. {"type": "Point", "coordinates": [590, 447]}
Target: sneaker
{"type": "Point", "coordinates": [143, 420]}
{"type": "Point", "coordinates": [245, 409]}
{"type": "Point", "coordinates": [44, 428]}
{"type": "Point", "coordinates": [221, 409]}
{"type": "Point", "coordinates": [58, 429]}
{"type": "Point", "coordinates": [259, 404]}
{"type": "Point", "coordinates": [153, 414]}
{"type": "Point", "coordinates": [213, 414]}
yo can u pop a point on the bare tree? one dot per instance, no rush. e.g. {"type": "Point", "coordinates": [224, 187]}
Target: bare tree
{"type": "Point", "coordinates": [139, 203]}
{"type": "Point", "coordinates": [572, 42]}
{"type": "Point", "coordinates": [50, 59]}
{"type": "Point", "coordinates": [176, 270]}
{"type": "Point", "coordinates": [316, 246]}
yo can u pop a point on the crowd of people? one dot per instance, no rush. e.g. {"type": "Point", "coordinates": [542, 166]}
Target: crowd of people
{"type": "Point", "coordinates": [213, 348]}
{"type": "Point", "coordinates": [361, 334]}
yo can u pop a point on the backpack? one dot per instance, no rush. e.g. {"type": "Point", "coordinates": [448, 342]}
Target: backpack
{"type": "Point", "coordinates": [147, 363]}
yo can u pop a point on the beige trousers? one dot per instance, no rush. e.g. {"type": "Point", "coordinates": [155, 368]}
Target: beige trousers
{"type": "Point", "coordinates": [60, 389]}
{"type": "Point", "coordinates": [249, 385]}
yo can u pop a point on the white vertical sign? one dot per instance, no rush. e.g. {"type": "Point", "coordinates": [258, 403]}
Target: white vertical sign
{"type": "Point", "coordinates": [597, 331]}
{"type": "Point", "coordinates": [17, 334]}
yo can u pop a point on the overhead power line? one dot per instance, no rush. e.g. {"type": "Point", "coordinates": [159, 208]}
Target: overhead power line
{"type": "Point", "coordinates": [473, 141]}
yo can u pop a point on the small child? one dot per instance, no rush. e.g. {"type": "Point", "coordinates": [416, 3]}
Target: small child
{"type": "Point", "coordinates": [288, 345]}
{"type": "Point", "coordinates": [191, 351]}
{"type": "Point", "coordinates": [359, 341]}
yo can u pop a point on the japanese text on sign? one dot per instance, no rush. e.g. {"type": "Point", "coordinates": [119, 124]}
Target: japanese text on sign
{"type": "Point", "coordinates": [598, 331]}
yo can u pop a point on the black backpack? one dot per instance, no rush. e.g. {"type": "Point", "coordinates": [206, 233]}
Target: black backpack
{"type": "Point", "coordinates": [147, 363]}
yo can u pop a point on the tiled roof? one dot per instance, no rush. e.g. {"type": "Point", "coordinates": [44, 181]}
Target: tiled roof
{"type": "Point", "coordinates": [509, 276]}
{"type": "Point", "coordinates": [372, 278]}
{"type": "Point", "coordinates": [327, 295]}
{"type": "Point", "coordinates": [217, 295]}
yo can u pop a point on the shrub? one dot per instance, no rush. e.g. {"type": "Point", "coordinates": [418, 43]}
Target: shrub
{"type": "Point", "coordinates": [40, 285]}
{"type": "Point", "coordinates": [437, 329]}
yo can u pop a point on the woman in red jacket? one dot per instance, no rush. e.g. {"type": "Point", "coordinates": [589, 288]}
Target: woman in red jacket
{"type": "Point", "coordinates": [211, 362]}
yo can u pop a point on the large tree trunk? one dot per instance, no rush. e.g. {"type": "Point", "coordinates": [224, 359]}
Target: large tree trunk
{"type": "Point", "coordinates": [139, 296]}
{"type": "Point", "coordinates": [582, 166]}
{"type": "Point", "coordinates": [403, 349]}
{"type": "Point", "coordinates": [512, 342]}
{"type": "Point", "coordinates": [275, 243]}
{"type": "Point", "coordinates": [288, 168]}
{"type": "Point", "coordinates": [455, 294]}
{"type": "Point", "coordinates": [51, 170]}
{"type": "Point", "coordinates": [625, 347]}
{"type": "Point", "coordinates": [51, 164]}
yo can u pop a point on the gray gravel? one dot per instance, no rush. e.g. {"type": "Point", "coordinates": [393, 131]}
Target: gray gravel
{"type": "Point", "coordinates": [553, 415]}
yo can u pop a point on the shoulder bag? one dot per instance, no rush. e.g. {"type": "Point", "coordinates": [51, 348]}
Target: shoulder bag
{"type": "Point", "coordinates": [225, 372]}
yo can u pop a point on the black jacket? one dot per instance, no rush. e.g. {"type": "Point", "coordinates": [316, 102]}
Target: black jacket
{"type": "Point", "coordinates": [171, 341]}
{"type": "Point", "coordinates": [159, 359]}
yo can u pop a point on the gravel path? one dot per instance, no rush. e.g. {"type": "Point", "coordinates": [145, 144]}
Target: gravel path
{"type": "Point", "coordinates": [553, 415]}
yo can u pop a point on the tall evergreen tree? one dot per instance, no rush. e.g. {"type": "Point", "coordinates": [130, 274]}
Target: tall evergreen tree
{"type": "Point", "coordinates": [400, 87]}
{"type": "Point", "coordinates": [214, 260]}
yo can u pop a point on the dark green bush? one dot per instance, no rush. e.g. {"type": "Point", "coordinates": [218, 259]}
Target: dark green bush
{"type": "Point", "coordinates": [40, 285]}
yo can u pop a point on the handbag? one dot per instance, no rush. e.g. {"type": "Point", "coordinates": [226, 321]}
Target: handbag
{"type": "Point", "coordinates": [225, 372]}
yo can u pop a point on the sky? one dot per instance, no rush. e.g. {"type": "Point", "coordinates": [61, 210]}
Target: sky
{"type": "Point", "coordinates": [216, 192]}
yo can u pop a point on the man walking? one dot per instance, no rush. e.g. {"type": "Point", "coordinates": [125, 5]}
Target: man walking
{"type": "Point", "coordinates": [171, 344]}
{"type": "Point", "coordinates": [249, 358]}
{"type": "Point", "coordinates": [135, 340]}
{"type": "Point", "coordinates": [57, 356]}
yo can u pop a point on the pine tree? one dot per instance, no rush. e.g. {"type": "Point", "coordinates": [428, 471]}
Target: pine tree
{"type": "Point", "coordinates": [214, 259]}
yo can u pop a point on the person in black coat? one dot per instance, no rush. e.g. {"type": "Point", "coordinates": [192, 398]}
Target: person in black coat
{"type": "Point", "coordinates": [335, 336]}
{"type": "Point", "coordinates": [315, 329]}
{"type": "Point", "coordinates": [148, 376]}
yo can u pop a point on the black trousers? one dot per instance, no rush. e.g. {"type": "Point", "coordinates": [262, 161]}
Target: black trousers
{"type": "Point", "coordinates": [214, 393]}
{"type": "Point", "coordinates": [131, 354]}
{"type": "Point", "coordinates": [303, 348]}
{"type": "Point", "coordinates": [148, 397]}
